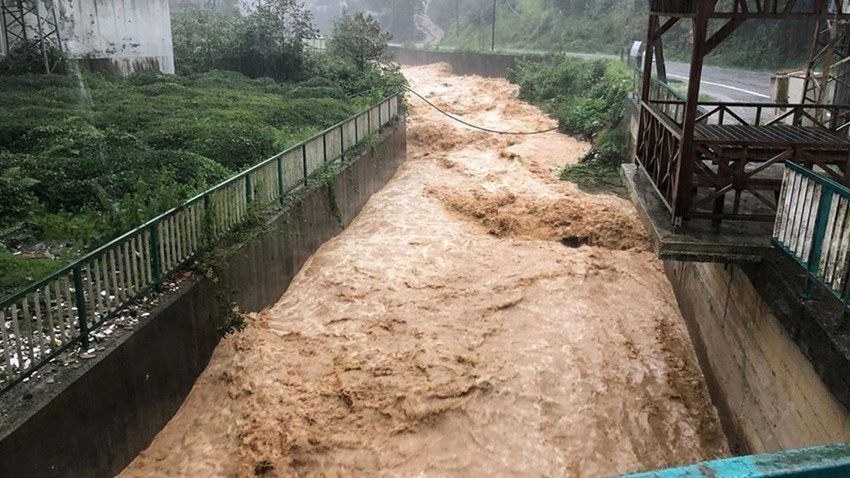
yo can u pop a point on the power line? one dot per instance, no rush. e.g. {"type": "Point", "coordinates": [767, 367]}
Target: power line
{"type": "Point", "coordinates": [480, 128]}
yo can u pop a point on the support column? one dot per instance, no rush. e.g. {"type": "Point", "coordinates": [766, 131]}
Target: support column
{"type": "Point", "coordinates": [687, 151]}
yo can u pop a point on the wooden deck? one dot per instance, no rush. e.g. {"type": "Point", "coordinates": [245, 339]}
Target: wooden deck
{"type": "Point", "coordinates": [734, 163]}
{"type": "Point", "coordinates": [774, 135]}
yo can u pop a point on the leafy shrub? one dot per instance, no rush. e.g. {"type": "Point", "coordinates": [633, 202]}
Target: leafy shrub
{"type": "Point", "coordinates": [17, 193]}
{"type": "Point", "coordinates": [588, 98]}
{"type": "Point", "coordinates": [27, 57]}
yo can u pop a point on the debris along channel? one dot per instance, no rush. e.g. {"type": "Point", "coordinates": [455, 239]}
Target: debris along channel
{"type": "Point", "coordinates": [449, 332]}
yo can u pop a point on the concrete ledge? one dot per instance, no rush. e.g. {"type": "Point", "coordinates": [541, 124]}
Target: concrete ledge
{"type": "Point", "coordinates": [95, 419]}
{"type": "Point", "coordinates": [697, 240]}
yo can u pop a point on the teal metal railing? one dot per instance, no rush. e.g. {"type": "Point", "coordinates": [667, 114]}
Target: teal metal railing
{"type": "Point", "coordinates": [813, 227]}
{"type": "Point", "coordinates": [831, 461]}
{"type": "Point", "coordinates": [61, 310]}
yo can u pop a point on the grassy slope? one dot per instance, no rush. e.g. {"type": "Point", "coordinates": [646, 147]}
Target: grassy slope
{"type": "Point", "coordinates": [82, 160]}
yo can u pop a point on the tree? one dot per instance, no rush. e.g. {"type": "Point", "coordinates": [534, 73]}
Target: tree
{"type": "Point", "coordinates": [267, 41]}
{"type": "Point", "coordinates": [358, 38]}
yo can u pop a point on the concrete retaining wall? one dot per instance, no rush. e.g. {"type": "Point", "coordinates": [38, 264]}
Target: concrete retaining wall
{"type": "Point", "coordinates": [492, 65]}
{"type": "Point", "coordinates": [770, 395]}
{"type": "Point", "coordinates": [94, 420]}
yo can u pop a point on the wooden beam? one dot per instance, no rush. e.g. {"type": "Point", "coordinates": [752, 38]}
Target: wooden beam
{"type": "Point", "coordinates": [683, 179]}
{"type": "Point", "coordinates": [722, 34]}
{"type": "Point", "coordinates": [651, 38]}
{"type": "Point", "coordinates": [660, 65]}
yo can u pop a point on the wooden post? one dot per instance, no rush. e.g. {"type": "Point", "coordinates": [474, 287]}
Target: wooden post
{"type": "Point", "coordinates": [647, 60]}
{"type": "Point", "coordinates": [684, 175]}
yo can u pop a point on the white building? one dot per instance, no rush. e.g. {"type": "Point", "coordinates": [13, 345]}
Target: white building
{"type": "Point", "coordinates": [116, 36]}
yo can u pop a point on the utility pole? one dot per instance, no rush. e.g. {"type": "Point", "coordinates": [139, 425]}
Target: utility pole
{"type": "Point", "coordinates": [493, 42]}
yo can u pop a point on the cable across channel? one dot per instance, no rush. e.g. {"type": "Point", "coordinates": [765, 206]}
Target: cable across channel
{"type": "Point", "coordinates": [480, 128]}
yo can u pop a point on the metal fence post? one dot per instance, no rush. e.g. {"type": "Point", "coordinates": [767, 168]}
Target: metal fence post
{"type": "Point", "coordinates": [80, 298]}
{"type": "Point", "coordinates": [281, 184]}
{"type": "Point", "coordinates": [325, 147]}
{"type": "Point", "coordinates": [248, 192]}
{"type": "Point", "coordinates": [817, 244]}
{"type": "Point", "coordinates": [342, 143]}
{"type": "Point", "coordinates": [304, 160]}
{"type": "Point", "coordinates": [156, 266]}
{"type": "Point", "coordinates": [380, 119]}
{"type": "Point", "coordinates": [356, 132]}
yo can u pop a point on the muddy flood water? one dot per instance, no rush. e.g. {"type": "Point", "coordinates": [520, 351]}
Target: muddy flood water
{"type": "Point", "coordinates": [449, 333]}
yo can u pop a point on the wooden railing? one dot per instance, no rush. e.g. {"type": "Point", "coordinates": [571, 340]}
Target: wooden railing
{"type": "Point", "coordinates": [835, 118]}
{"type": "Point", "coordinates": [64, 309]}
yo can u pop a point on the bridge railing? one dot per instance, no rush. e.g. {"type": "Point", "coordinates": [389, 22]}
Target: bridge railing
{"type": "Point", "coordinates": [40, 321]}
{"type": "Point", "coordinates": [813, 227]}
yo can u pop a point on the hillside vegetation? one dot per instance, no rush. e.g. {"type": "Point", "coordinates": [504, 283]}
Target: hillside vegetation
{"type": "Point", "coordinates": [609, 26]}
{"type": "Point", "coordinates": [587, 97]}
{"type": "Point", "coordinates": [85, 157]}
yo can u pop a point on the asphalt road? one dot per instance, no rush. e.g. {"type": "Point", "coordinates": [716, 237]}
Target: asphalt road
{"type": "Point", "coordinates": [725, 84]}
{"type": "Point", "coordinates": [722, 84]}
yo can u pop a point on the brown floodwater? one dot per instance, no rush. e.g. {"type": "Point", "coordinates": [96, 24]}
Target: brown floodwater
{"type": "Point", "coordinates": [448, 332]}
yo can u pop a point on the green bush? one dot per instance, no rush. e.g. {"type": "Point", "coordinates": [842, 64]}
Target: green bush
{"type": "Point", "coordinates": [17, 191]}
{"type": "Point", "coordinates": [588, 98]}
{"type": "Point", "coordinates": [27, 57]}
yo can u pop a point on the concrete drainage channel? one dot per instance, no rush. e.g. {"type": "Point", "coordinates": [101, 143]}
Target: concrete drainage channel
{"type": "Point", "coordinates": [93, 420]}
{"type": "Point", "coordinates": [96, 420]}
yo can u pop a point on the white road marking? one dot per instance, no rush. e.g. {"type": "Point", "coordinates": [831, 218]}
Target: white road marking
{"type": "Point", "coordinates": [720, 85]}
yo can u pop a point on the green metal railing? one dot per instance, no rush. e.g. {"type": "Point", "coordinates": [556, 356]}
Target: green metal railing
{"type": "Point", "coordinates": [64, 309]}
{"type": "Point", "coordinates": [813, 227]}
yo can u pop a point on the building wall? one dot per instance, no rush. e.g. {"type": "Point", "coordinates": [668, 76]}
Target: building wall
{"type": "Point", "coordinates": [116, 36]}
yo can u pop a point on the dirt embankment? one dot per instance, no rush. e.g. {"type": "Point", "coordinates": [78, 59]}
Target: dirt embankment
{"type": "Point", "coordinates": [449, 331]}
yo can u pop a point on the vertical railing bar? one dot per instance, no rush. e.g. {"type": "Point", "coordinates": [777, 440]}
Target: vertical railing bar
{"type": "Point", "coordinates": [304, 161]}
{"type": "Point", "coordinates": [49, 313]}
{"type": "Point", "coordinates": [4, 334]}
{"type": "Point", "coordinates": [156, 253]}
{"type": "Point", "coordinates": [227, 206]}
{"type": "Point", "coordinates": [281, 180]}
{"type": "Point", "coordinates": [90, 289]}
{"type": "Point", "coordinates": [28, 322]}
{"type": "Point", "coordinates": [193, 228]}
{"type": "Point", "coordinates": [98, 285]}
{"type": "Point", "coordinates": [166, 243]}
{"type": "Point", "coordinates": [181, 241]}
{"type": "Point", "coordinates": [39, 322]}
{"type": "Point", "coordinates": [16, 328]}
{"type": "Point", "coordinates": [170, 245]}
{"type": "Point", "coordinates": [820, 229]}
{"type": "Point", "coordinates": [107, 282]}
{"type": "Point", "coordinates": [249, 194]}
{"type": "Point", "coordinates": [60, 311]}
{"type": "Point", "coordinates": [138, 282]}
{"type": "Point", "coordinates": [116, 280]}
{"type": "Point", "coordinates": [342, 142]}
{"type": "Point", "coordinates": [124, 255]}
{"type": "Point", "coordinates": [81, 307]}
{"type": "Point", "coordinates": [121, 251]}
